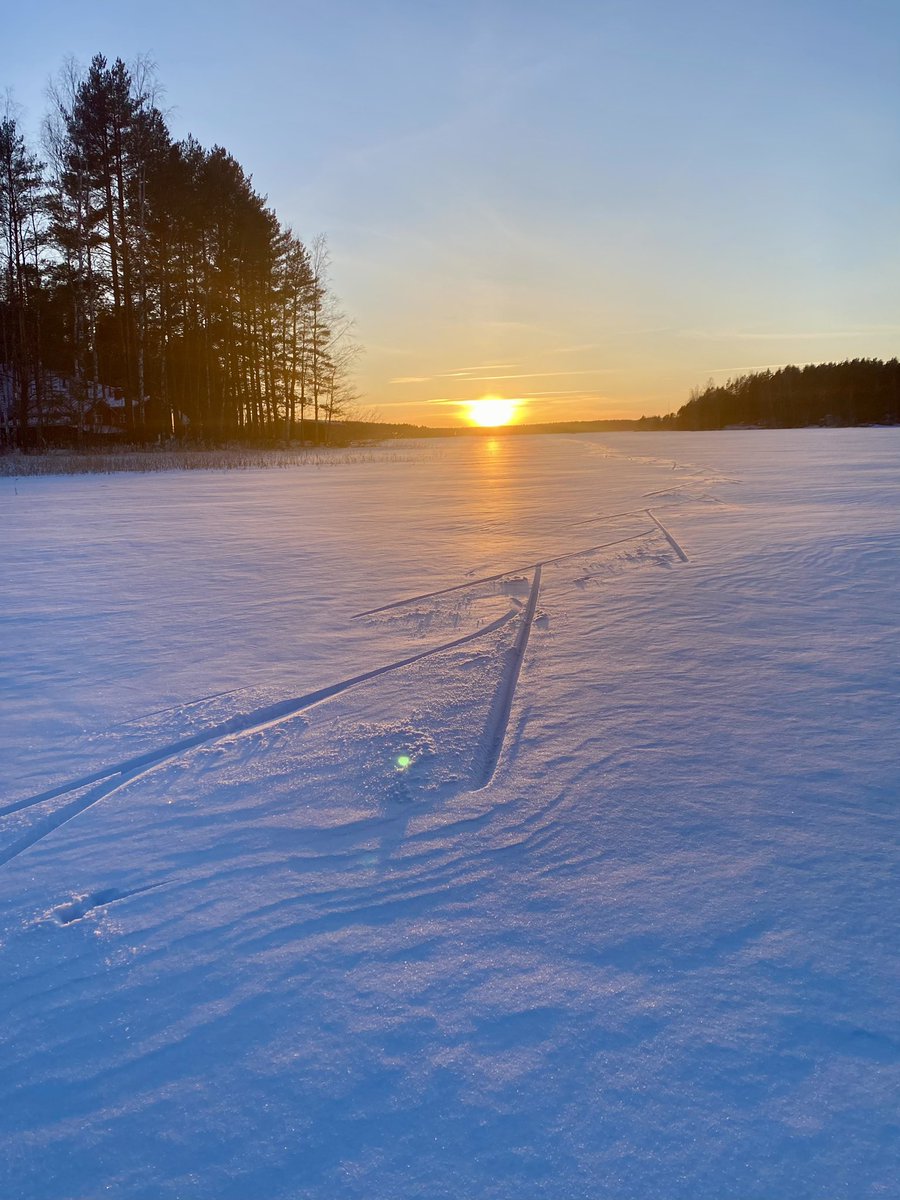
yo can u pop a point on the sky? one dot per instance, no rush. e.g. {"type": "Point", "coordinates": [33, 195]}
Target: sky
{"type": "Point", "coordinates": [591, 208]}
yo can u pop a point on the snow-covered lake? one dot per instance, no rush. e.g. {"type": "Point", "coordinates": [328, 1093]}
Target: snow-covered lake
{"type": "Point", "coordinates": [570, 870]}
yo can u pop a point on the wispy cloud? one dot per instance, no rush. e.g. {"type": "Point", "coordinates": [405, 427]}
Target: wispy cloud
{"type": "Point", "coordinates": [738, 335]}
{"type": "Point", "coordinates": [481, 367]}
{"type": "Point", "coordinates": [580, 348]}
{"type": "Point", "coordinates": [457, 373]}
{"type": "Point", "coordinates": [570, 392]}
{"type": "Point", "coordinates": [524, 397]}
{"type": "Point", "coordinates": [465, 375]}
{"type": "Point", "coordinates": [538, 375]}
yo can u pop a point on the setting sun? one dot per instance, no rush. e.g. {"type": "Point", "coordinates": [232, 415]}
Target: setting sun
{"type": "Point", "coordinates": [491, 410]}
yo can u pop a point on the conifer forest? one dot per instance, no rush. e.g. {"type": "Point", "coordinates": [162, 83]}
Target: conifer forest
{"type": "Point", "coordinates": [148, 290]}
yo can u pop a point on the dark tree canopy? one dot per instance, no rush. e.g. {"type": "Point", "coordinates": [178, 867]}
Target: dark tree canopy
{"type": "Point", "coordinates": [148, 290]}
{"type": "Point", "coordinates": [864, 391]}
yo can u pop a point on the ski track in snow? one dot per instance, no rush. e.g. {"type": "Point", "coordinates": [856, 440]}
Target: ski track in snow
{"type": "Point", "coordinates": [675, 546]}
{"type": "Point", "coordinates": [498, 720]}
{"type": "Point", "coordinates": [109, 780]}
{"type": "Point", "coordinates": [544, 562]}
{"type": "Point", "coordinates": [117, 777]}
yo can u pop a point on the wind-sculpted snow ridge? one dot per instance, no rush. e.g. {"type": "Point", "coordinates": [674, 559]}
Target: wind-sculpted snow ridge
{"type": "Point", "coordinates": [562, 870]}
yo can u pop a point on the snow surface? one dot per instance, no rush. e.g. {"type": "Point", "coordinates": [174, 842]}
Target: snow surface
{"type": "Point", "coordinates": [625, 924]}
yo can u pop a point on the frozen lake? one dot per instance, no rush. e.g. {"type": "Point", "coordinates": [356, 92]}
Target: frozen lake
{"type": "Point", "coordinates": [508, 817]}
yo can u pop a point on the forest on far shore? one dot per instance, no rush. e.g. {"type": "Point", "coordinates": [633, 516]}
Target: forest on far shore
{"type": "Point", "coordinates": [148, 291]}
{"type": "Point", "coordinates": [860, 391]}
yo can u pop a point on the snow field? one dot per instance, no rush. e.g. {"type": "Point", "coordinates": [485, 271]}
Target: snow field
{"type": "Point", "coordinates": [573, 876]}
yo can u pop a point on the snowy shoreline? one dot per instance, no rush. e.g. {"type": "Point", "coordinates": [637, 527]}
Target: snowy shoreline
{"type": "Point", "coordinates": [111, 462]}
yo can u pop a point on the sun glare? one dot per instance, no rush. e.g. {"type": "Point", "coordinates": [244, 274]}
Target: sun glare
{"type": "Point", "coordinates": [491, 410]}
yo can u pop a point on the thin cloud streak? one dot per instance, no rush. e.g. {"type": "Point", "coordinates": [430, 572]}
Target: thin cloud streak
{"type": "Point", "coordinates": [465, 377]}
{"type": "Point", "coordinates": [540, 374]}
{"type": "Point", "coordinates": [824, 335]}
{"type": "Point", "coordinates": [572, 392]}
{"type": "Point", "coordinates": [505, 366]}
{"type": "Point", "coordinates": [457, 373]}
{"type": "Point", "coordinates": [522, 397]}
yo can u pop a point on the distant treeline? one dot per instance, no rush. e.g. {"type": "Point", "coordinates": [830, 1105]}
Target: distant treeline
{"type": "Point", "coordinates": [863, 391]}
{"type": "Point", "coordinates": [147, 289]}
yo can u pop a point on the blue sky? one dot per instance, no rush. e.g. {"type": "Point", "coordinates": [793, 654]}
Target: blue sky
{"type": "Point", "coordinates": [591, 206]}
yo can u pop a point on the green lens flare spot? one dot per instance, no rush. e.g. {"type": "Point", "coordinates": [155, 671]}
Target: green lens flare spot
{"type": "Point", "coordinates": [403, 761]}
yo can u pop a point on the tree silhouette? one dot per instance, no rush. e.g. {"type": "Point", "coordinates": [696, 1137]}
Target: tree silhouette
{"type": "Point", "coordinates": [173, 301]}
